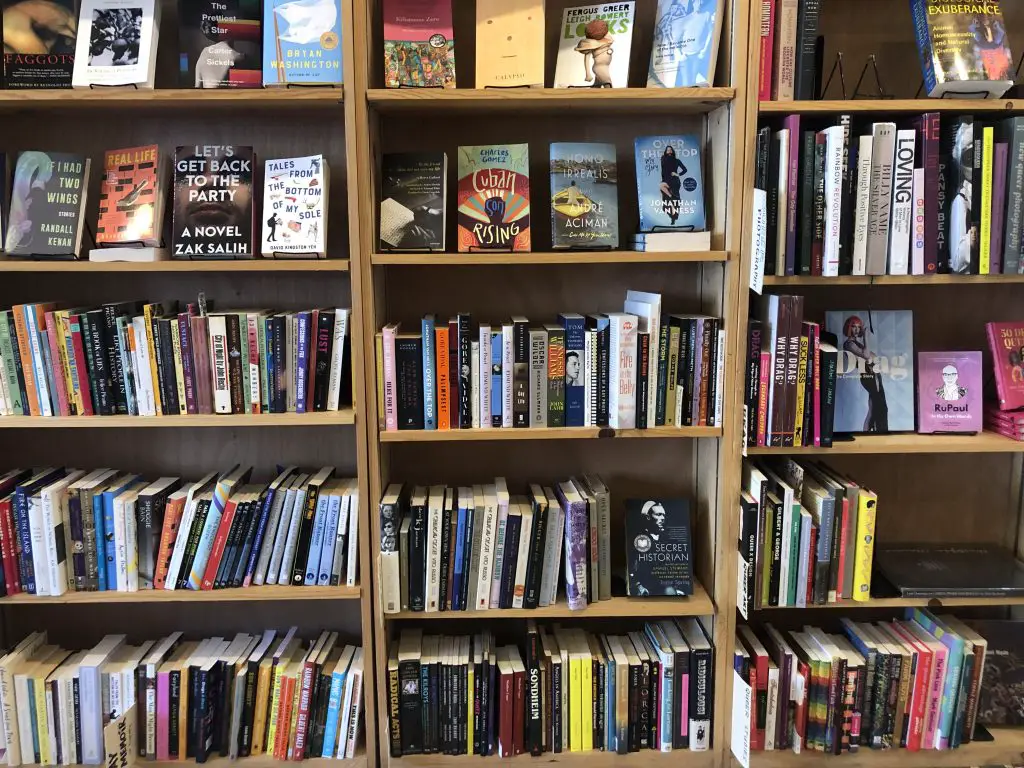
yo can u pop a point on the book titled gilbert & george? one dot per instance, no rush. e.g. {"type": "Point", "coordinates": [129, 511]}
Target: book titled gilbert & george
{"type": "Point", "coordinates": [213, 202]}
{"type": "Point", "coordinates": [658, 547]}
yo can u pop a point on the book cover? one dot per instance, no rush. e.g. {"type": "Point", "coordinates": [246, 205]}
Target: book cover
{"type": "Point", "coordinates": [949, 396]}
{"type": "Point", "coordinates": [494, 198]}
{"type": "Point", "coordinates": [584, 196]}
{"type": "Point", "coordinates": [1006, 345]}
{"type": "Point", "coordinates": [594, 43]}
{"type": "Point", "coordinates": [419, 46]}
{"type": "Point", "coordinates": [295, 206]}
{"type": "Point", "coordinates": [950, 570]}
{"type": "Point", "coordinates": [131, 197]}
{"type": "Point", "coordinates": [213, 202]}
{"type": "Point", "coordinates": [219, 44]}
{"type": "Point", "coordinates": [1001, 695]}
{"type": "Point", "coordinates": [669, 182]}
{"type": "Point", "coordinates": [302, 42]}
{"type": "Point", "coordinates": [875, 374]}
{"type": "Point", "coordinates": [47, 204]}
{"type": "Point", "coordinates": [412, 208]}
{"type": "Point", "coordinates": [116, 43]}
{"type": "Point", "coordinates": [685, 43]}
{"type": "Point", "coordinates": [509, 43]}
{"type": "Point", "coordinates": [658, 547]}
{"type": "Point", "coordinates": [39, 44]}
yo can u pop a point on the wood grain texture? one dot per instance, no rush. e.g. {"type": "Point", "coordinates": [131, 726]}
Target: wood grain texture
{"type": "Point", "coordinates": [934, 603]}
{"type": "Point", "coordinates": [243, 594]}
{"type": "Point", "coordinates": [985, 442]}
{"type": "Point", "coordinates": [235, 267]}
{"type": "Point", "coordinates": [594, 759]}
{"type": "Point", "coordinates": [543, 433]}
{"type": "Point", "coordinates": [604, 100]}
{"type": "Point", "coordinates": [550, 258]}
{"type": "Point", "coordinates": [325, 419]}
{"type": "Point", "coordinates": [916, 281]}
{"type": "Point", "coordinates": [889, 106]}
{"type": "Point", "coordinates": [240, 100]}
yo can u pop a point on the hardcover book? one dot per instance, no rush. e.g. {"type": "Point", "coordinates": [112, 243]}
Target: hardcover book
{"type": "Point", "coordinates": [117, 43]}
{"type": "Point", "coordinates": [1006, 344]}
{"type": "Point", "coordinates": [33, 60]}
{"type": "Point", "coordinates": [875, 373]}
{"type": "Point", "coordinates": [419, 47]}
{"type": "Point", "coordinates": [950, 570]}
{"type": "Point", "coordinates": [295, 206]}
{"type": "Point", "coordinates": [213, 202]}
{"type": "Point", "coordinates": [132, 196]}
{"type": "Point", "coordinates": [669, 182]}
{"type": "Point", "coordinates": [949, 397]}
{"type": "Point", "coordinates": [47, 212]}
{"type": "Point", "coordinates": [509, 43]}
{"type": "Point", "coordinates": [302, 42]}
{"type": "Point", "coordinates": [658, 548]}
{"type": "Point", "coordinates": [219, 43]}
{"type": "Point", "coordinates": [593, 46]}
{"type": "Point", "coordinates": [1001, 695]}
{"type": "Point", "coordinates": [685, 43]}
{"type": "Point", "coordinates": [584, 196]}
{"type": "Point", "coordinates": [412, 209]}
{"type": "Point", "coordinates": [494, 198]}
{"type": "Point", "coordinates": [963, 48]}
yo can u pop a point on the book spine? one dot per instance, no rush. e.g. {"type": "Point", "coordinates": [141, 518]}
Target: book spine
{"type": "Point", "coordinates": [988, 152]}
{"type": "Point", "coordinates": [767, 42]}
{"type": "Point", "coordinates": [880, 203]}
{"type": "Point", "coordinates": [60, 377]}
{"type": "Point", "coordinates": [390, 381]}
{"type": "Point", "coordinates": [577, 531]}
{"type": "Point", "coordinates": [465, 364]}
{"type": "Point", "coordinates": [219, 359]}
{"type": "Point", "coordinates": [444, 397]}
{"type": "Point", "coordinates": [188, 393]}
{"type": "Point", "coordinates": [806, 73]}
{"type": "Point", "coordinates": [538, 384]}
{"type": "Point", "coordinates": [792, 123]}
{"type": "Point", "coordinates": [917, 242]}
{"type": "Point", "coordinates": [833, 179]}
{"type": "Point", "coordinates": [902, 211]}
{"type": "Point", "coordinates": [928, 138]}
{"type": "Point", "coordinates": [999, 163]}
{"type": "Point", "coordinates": [520, 374]}
{"type": "Point", "coordinates": [783, 84]}
{"type": "Point", "coordinates": [805, 232]}
{"type": "Point", "coordinates": [302, 365]}
{"type": "Point", "coordinates": [428, 332]}
{"type": "Point", "coordinates": [556, 378]}
{"type": "Point", "coordinates": [574, 388]}
{"type": "Point", "coordinates": [115, 376]}
{"type": "Point", "coordinates": [484, 374]}
{"type": "Point", "coordinates": [819, 211]}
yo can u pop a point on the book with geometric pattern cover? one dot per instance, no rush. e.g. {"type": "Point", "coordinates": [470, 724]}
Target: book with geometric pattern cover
{"type": "Point", "coordinates": [131, 197]}
{"type": "Point", "coordinates": [494, 198]}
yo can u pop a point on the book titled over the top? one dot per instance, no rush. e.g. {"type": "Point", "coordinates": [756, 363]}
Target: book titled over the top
{"type": "Point", "coordinates": [213, 201]}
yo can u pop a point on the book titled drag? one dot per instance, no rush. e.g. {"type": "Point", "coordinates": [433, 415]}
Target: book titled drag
{"type": "Point", "coordinates": [419, 47]}
{"type": "Point", "coordinates": [669, 183]}
{"type": "Point", "coordinates": [295, 206]}
{"type": "Point", "coordinates": [594, 45]}
{"type": "Point", "coordinates": [494, 198]}
{"type": "Point", "coordinates": [301, 42]}
{"type": "Point", "coordinates": [875, 370]}
{"type": "Point", "coordinates": [1006, 343]}
{"type": "Point", "coordinates": [685, 43]}
{"type": "Point", "coordinates": [658, 547]}
{"type": "Point", "coordinates": [213, 202]}
{"type": "Point", "coordinates": [47, 204]}
{"type": "Point", "coordinates": [132, 195]}
{"type": "Point", "coordinates": [949, 392]}
{"type": "Point", "coordinates": [584, 197]}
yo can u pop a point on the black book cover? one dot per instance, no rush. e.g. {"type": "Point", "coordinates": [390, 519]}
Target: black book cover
{"type": "Point", "coordinates": [409, 369]}
{"type": "Point", "coordinates": [772, 200]}
{"type": "Point", "coordinates": [110, 314]}
{"type": "Point", "coordinates": [174, 701]}
{"type": "Point", "coordinates": [242, 529]}
{"type": "Point", "coordinates": [520, 372]}
{"type": "Point", "coordinates": [950, 570]}
{"type": "Point", "coordinates": [532, 731]}
{"type": "Point", "coordinates": [680, 672]}
{"type": "Point", "coordinates": [446, 545]}
{"type": "Point", "coordinates": [417, 557]}
{"type": "Point", "coordinates": [412, 208]}
{"type": "Point", "coordinates": [714, 324]}
{"type": "Point", "coordinates": [322, 367]}
{"type": "Point", "coordinates": [1000, 698]}
{"type": "Point", "coordinates": [230, 544]}
{"type": "Point", "coordinates": [478, 688]}
{"type": "Point", "coordinates": [213, 192]}
{"type": "Point", "coordinates": [150, 509]}
{"type": "Point", "coordinates": [47, 201]}
{"type": "Point", "coordinates": [643, 348]}
{"type": "Point", "coordinates": [248, 708]}
{"type": "Point", "coordinates": [306, 529]}
{"type": "Point", "coordinates": [828, 360]}
{"type": "Point", "coordinates": [535, 566]}
{"type": "Point", "coordinates": [603, 353]}
{"type": "Point", "coordinates": [753, 393]}
{"type": "Point", "coordinates": [191, 693]}
{"type": "Point", "coordinates": [764, 136]}
{"type": "Point", "coordinates": [556, 699]}
{"type": "Point", "coordinates": [644, 703]}
{"type": "Point", "coordinates": [434, 694]}
{"type": "Point", "coordinates": [100, 363]}
{"type": "Point", "coordinates": [806, 202]}
{"type": "Point", "coordinates": [485, 704]}
{"type": "Point", "coordinates": [455, 381]}
{"type": "Point", "coordinates": [658, 547]}
{"type": "Point", "coordinates": [655, 696]}
{"type": "Point", "coordinates": [279, 395]}
{"type": "Point", "coordinates": [19, 371]}
{"type": "Point", "coordinates": [806, 74]}
{"type": "Point", "coordinates": [633, 699]}
{"type": "Point", "coordinates": [848, 199]}
{"type": "Point", "coordinates": [220, 44]}
{"type": "Point", "coordinates": [467, 553]}
{"type": "Point", "coordinates": [248, 542]}
{"type": "Point", "coordinates": [690, 384]}
{"type": "Point", "coordinates": [164, 327]}
{"type": "Point", "coordinates": [465, 374]}
{"type": "Point", "coordinates": [818, 213]}
{"type": "Point", "coordinates": [194, 534]}
{"type": "Point", "coordinates": [222, 709]}
{"type": "Point", "coordinates": [748, 550]}
{"type": "Point", "coordinates": [508, 564]}
{"type": "Point", "coordinates": [662, 383]}
{"type": "Point", "coordinates": [411, 706]}
{"type": "Point", "coordinates": [775, 521]}
{"type": "Point", "coordinates": [318, 717]}
{"type": "Point", "coordinates": [238, 397]}
{"type": "Point", "coordinates": [43, 54]}
{"type": "Point", "coordinates": [428, 709]}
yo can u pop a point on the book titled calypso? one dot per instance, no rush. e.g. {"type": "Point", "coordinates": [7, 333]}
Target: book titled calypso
{"type": "Point", "coordinates": [301, 42]}
{"type": "Point", "coordinates": [584, 197]}
{"type": "Point", "coordinates": [949, 392]}
{"type": "Point", "coordinates": [494, 198]}
{"type": "Point", "coordinates": [658, 547]}
{"type": "Point", "coordinates": [669, 183]}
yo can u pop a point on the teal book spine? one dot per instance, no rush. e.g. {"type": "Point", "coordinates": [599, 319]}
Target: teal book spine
{"type": "Point", "coordinates": [333, 713]}
{"type": "Point", "coordinates": [301, 42]}
{"type": "Point", "coordinates": [794, 555]}
{"type": "Point", "coordinates": [429, 372]}
{"type": "Point", "coordinates": [951, 682]}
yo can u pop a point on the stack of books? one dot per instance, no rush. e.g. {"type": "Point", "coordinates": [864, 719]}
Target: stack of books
{"type": "Point", "coordinates": [67, 530]}
{"type": "Point", "coordinates": [568, 690]}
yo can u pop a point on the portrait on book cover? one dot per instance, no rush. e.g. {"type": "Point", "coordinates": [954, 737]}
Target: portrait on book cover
{"type": "Point", "coordinates": [962, 233]}
{"type": "Point", "coordinates": [684, 44]}
{"type": "Point", "coordinates": [949, 392]}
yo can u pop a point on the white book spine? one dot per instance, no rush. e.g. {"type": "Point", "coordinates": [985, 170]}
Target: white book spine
{"type": "Point", "coordinates": [434, 510]}
{"type": "Point", "coordinates": [340, 538]}
{"type": "Point", "coordinates": [773, 708]}
{"type": "Point", "coordinates": [805, 546]}
{"type": "Point", "coordinates": [5, 408]}
{"type": "Point", "coordinates": [538, 378]}
{"type": "Point", "coordinates": [251, 320]}
{"type": "Point", "coordinates": [52, 721]}
{"type": "Point", "coordinates": [589, 419]}
{"type": "Point", "coordinates": [860, 221]}
{"type": "Point", "coordinates": [902, 203]}
{"type": "Point", "coordinates": [782, 137]}
{"type": "Point", "coordinates": [833, 196]}
{"type": "Point", "coordinates": [53, 519]}
{"type": "Point", "coordinates": [120, 545]}
{"type": "Point", "coordinates": [485, 575]}
{"type": "Point", "coordinates": [66, 702]}
{"type": "Point", "coordinates": [917, 234]}
{"type": "Point", "coordinates": [474, 388]}
{"type": "Point", "coordinates": [38, 534]}
{"type": "Point", "coordinates": [91, 715]}
{"type": "Point", "coordinates": [219, 361]}
{"type": "Point", "coordinates": [142, 371]}
{"type": "Point", "coordinates": [592, 373]}
{"type": "Point", "coordinates": [38, 365]}
{"type": "Point", "coordinates": [484, 377]}
{"type": "Point", "coordinates": [552, 555]}
{"type": "Point", "coordinates": [334, 379]}
{"type": "Point", "coordinates": [269, 536]}
{"type": "Point", "coordinates": [499, 554]}
{"type": "Point", "coordinates": [114, 691]}
{"type": "Point", "coordinates": [291, 543]}
{"type": "Point", "coordinates": [352, 560]}
{"type": "Point", "coordinates": [880, 202]}
{"type": "Point", "coordinates": [507, 365]}
{"type": "Point", "coordinates": [283, 525]}
{"type": "Point", "coordinates": [522, 559]}
{"type": "Point", "coordinates": [622, 371]}
{"type": "Point", "coordinates": [9, 710]}
{"type": "Point", "coordinates": [679, 404]}
{"type": "Point", "coordinates": [24, 710]}
{"type": "Point", "coordinates": [720, 378]}
{"type": "Point", "coordinates": [355, 710]}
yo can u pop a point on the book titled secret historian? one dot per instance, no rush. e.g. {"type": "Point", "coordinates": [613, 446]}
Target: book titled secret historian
{"type": "Point", "coordinates": [658, 551]}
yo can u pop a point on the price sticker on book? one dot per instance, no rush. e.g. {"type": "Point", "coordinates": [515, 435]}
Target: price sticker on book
{"type": "Point", "coordinates": [758, 240]}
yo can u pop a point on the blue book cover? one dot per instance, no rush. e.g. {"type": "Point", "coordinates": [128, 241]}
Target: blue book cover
{"type": "Point", "coordinates": [496, 400]}
{"type": "Point", "coordinates": [685, 44]}
{"type": "Point", "coordinates": [330, 537]}
{"type": "Point", "coordinates": [268, 329]}
{"type": "Point", "coordinates": [429, 373]}
{"type": "Point", "coordinates": [302, 362]}
{"type": "Point", "coordinates": [333, 711]}
{"type": "Point", "coordinates": [460, 535]}
{"type": "Point", "coordinates": [109, 546]}
{"type": "Point", "coordinates": [316, 542]}
{"type": "Point", "coordinates": [875, 370]}
{"type": "Point", "coordinates": [575, 326]}
{"type": "Point", "coordinates": [301, 42]}
{"type": "Point", "coordinates": [669, 183]}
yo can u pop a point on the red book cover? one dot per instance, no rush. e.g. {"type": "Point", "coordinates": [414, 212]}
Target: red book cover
{"type": "Point", "coordinates": [284, 718]}
{"type": "Point", "coordinates": [419, 47]}
{"type": "Point", "coordinates": [920, 685]}
{"type": "Point", "coordinates": [762, 403]}
{"type": "Point", "coordinates": [505, 715]}
{"type": "Point", "coordinates": [201, 356]}
{"type": "Point", "coordinates": [518, 708]}
{"type": "Point", "coordinates": [843, 547]}
{"type": "Point", "coordinates": [172, 517]}
{"type": "Point", "coordinates": [764, 82]}
{"type": "Point", "coordinates": [11, 576]}
{"type": "Point", "coordinates": [443, 392]}
{"type": "Point", "coordinates": [219, 543]}
{"type": "Point", "coordinates": [493, 204]}
{"type": "Point", "coordinates": [56, 361]}
{"type": "Point", "coordinates": [1006, 343]}
{"type": "Point", "coordinates": [81, 363]}
{"type": "Point", "coordinates": [131, 205]}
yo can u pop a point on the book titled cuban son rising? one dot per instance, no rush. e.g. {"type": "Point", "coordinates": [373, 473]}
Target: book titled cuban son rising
{"type": "Point", "coordinates": [494, 198]}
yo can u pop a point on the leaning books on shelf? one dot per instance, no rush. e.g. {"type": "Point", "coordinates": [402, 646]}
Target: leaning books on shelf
{"type": "Point", "coordinates": [915, 570]}
{"type": "Point", "coordinates": [633, 369]}
{"type": "Point", "coordinates": [807, 536]}
{"type": "Point", "coordinates": [68, 530]}
{"type": "Point", "coordinates": [149, 359]}
{"type": "Point", "coordinates": [915, 683]}
{"type": "Point", "coordinates": [566, 690]}
{"type": "Point", "coordinates": [269, 693]}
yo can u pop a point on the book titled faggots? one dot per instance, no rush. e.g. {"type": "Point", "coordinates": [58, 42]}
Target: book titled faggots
{"type": "Point", "coordinates": [302, 42]}
{"type": "Point", "coordinates": [213, 202]}
{"type": "Point", "coordinates": [220, 43]}
{"type": "Point", "coordinates": [131, 197]}
{"type": "Point", "coordinates": [584, 197]}
{"type": "Point", "coordinates": [670, 186]}
{"type": "Point", "coordinates": [47, 212]}
{"type": "Point", "coordinates": [593, 46]}
{"type": "Point", "coordinates": [412, 209]}
{"type": "Point", "coordinates": [419, 48]}
{"type": "Point", "coordinates": [28, 61]}
{"type": "Point", "coordinates": [658, 547]}
{"type": "Point", "coordinates": [295, 206]}
{"type": "Point", "coordinates": [494, 198]}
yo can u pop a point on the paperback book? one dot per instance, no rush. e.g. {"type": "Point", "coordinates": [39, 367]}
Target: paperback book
{"type": "Point", "coordinates": [419, 47]}
{"type": "Point", "coordinates": [412, 207]}
{"type": "Point", "coordinates": [117, 43]}
{"type": "Point", "coordinates": [658, 547]}
{"type": "Point", "coordinates": [132, 195]}
{"type": "Point", "coordinates": [32, 60]}
{"type": "Point", "coordinates": [669, 182]}
{"type": "Point", "coordinates": [47, 214]}
{"type": "Point", "coordinates": [949, 395]}
{"type": "Point", "coordinates": [685, 43]}
{"type": "Point", "coordinates": [584, 196]}
{"type": "Point", "coordinates": [219, 43]}
{"type": "Point", "coordinates": [594, 45]}
{"type": "Point", "coordinates": [1001, 697]}
{"type": "Point", "coordinates": [213, 202]}
{"type": "Point", "coordinates": [295, 204]}
{"type": "Point", "coordinates": [509, 43]}
{"type": "Point", "coordinates": [1006, 344]}
{"type": "Point", "coordinates": [494, 198]}
{"type": "Point", "coordinates": [301, 42]}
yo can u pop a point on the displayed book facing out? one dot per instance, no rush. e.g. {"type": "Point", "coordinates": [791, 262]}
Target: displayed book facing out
{"type": "Point", "coordinates": [1006, 347]}
{"type": "Point", "coordinates": [509, 43]}
{"type": "Point", "coordinates": [949, 396]}
{"type": "Point", "coordinates": [302, 42]}
{"type": "Point", "coordinates": [295, 192]}
{"type": "Point", "coordinates": [219, 43]}
{"type": "Point", "coordinates": [117, 43]}
{"type": "Point", "coordinates": [412, 208]}
{"type": "Point", "coordinates": [584, 196]}
{"type": "Point", "coordinates": [133, 193]}
{"type": "Point", "coordinates": [669, 182]}
{"type": "Point", "coordinates": [999, 700]}
{"type": "Point", "coordinates": [30, 62]}
{"type": "Point", "coordinates": [950, 570]}
{"type": "Point", "coordinates": [594, 46]}
{"type": "Point", "coordinates": [494, 198]}
{"type": "Point", "coordinates": [213, 206]}
{"type": "Point", "coordinates": [47, 213]}
{"type": "Point", "coordinates": [419, 46]}
{"type": "Point", "coordinates": [659, 552]}
{"type": "Point", "coordinates": [685, 44]}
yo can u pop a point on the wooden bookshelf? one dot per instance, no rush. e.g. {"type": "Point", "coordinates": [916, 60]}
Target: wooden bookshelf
{"type": "Point", "coordinates": [242, 594]}
{"type": "Point", "coordinates": [172, 99]}
{"type": "Point", "coordinates": [891, 106]}
{"type": "Point", "coordinates": [984, 442]}
{"type": "Point", "coordinates": [554, 257]}
{"type": "Point", "coordinates": [343, 417]}
{"type": "Point", "coordinates": [916, 281]}
{"type": "Point", "coordinates": [882, 603]}
{"type": "Point", "coordinates": [594, 759]}
{"type": "Point", "coordinates": [173, 266]}
{"type": "Point", "coordinates": [542, 433]}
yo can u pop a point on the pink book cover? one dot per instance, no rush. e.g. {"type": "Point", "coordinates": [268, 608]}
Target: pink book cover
{"type": "Point", "coordinates": [1002, 429]}
{"type": "Point", "coordinates": [419, 46]}
{"type": "Point", "coordinates": [762, 401]}
{"type": "Point", "coordinates": [201, 353]}
{"type": "Point", "coordinates": [998, 206]}
{"type": "Point", "coordinates": [949, 394]}
{"type": "Point", "coordinates": [1006, 344]}
{"type": "Point", "coordinates": [390, 383]}
{"type": "Point", "coordinates": [816, 397]}
{"type": "Point", "coordinates": [58, 368]}
{"type": "Point", "coordinates": [251, 322]}
{"type": "Point", "coordinates": [163, 705]}
{"type": "Point", "coordinates": [764, 89]}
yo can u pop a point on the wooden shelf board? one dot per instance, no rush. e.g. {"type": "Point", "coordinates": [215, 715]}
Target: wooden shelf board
{"type": "Point", "coordinates": [698, 604]}
{"type": "Point", "coordinates": [985, 442]}
{"type": "Point", "coordinates": [593, 759]}
{"type": "Point", "coordinates": [890, 105]}
{"type": "Point", "coordinates": [326, 419]}
{"type": "Point", "coordinates": [916, 280]}
{"type": "Point", "coordinates": [237, 265]}
{"type": "Point", "coordinates": [243, 594]}
{"type": "Point", "coordinates": [257, 761]}
{"type": "Point", "coordinates": [664, 100]}
{"type": "Point", "coordinates": [554, 257]}
{"type": "Point", "coordinates": [542, 433]}
{"type": "Point", "coordinates": [908, 602]}
{"type": "Point", "coordinates": [241, 99]}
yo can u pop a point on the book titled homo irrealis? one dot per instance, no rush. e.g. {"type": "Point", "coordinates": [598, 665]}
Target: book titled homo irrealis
{"type": "Point", "coordinates": [117, 43]}
{"type": "Point", "coordinates": [219, 43]}
{"type": "Point", "coordinates": [213, 202]}
{"type": "Point", "coordinates": [963, 48]}
{"type": "Point", "coordinates": [494, 198]}
{"type": "Point", "coordinates": [949, 397]}
{"type": "Point", "coordinates": [685, 43]}
{"type": "Point", "coordinates": [584, 196]}
{"type": "Point", "coordinates": [295, 206]}
{"type": "Point", "coordinates": [875, 370]}
{"type": "Point", "coordinates": [301, 42]}
{"type": "Point", "coordinates": [669, 183]}
{"type": "Point", "coordinates": [132, 194]}
{"type": "Point", "coordinates": [419, 46]}
{"type": "Point", "coordinates": [509, 43]}
{"type": "Point", "coordinates": [412, 210]}
{"type": "Point", "coordinates": [34, 60]}
{"type": "Point", "coordinates": [593, 46]}
{"type": "Point", "coordinates": [47, 214]}
{"type": "Point", "coordinates": [658, 548]}
{"type": "Point", "coordinates": [1006, 344]}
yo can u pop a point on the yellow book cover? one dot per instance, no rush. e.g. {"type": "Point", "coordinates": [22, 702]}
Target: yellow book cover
{"type": "Point", "coordinates": [801, 376]}
{"type": "Point", "coordinates": [868, 501]}
{"type": "Point", "coordinates": [38, 684]}
{"type": "Point", "coordinates": [672, 376]}
{"type": "Point", "coordinates": [575, 702]}
{"type": "Point", "coordinates": [60, 319]}
{"type": "Point", "coordinates": [509, 43]}
{"type": "Point", "coordinates": [149, 311]}
{"type": "Point", "coordinates": [179, 368]}
{"type": "Point", "coordinates": [988, 148]}
{"type": "Point", "coordinates": [586, 695]}
{"type": "Point", "coordinates": [259, 717]}
{"type": "Point", "coordinates": [275, 705]}
{"type": "Point", "coordinates": [379, 345]}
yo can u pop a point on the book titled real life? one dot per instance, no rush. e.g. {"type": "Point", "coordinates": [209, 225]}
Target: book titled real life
{"type": "Point", "coordinates": [658, 547]}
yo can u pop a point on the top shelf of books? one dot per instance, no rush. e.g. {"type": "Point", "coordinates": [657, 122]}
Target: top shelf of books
{"type": "Point", "coordinates": [910, 106]}
{"type": "Point", "coordinates": [241, 100]}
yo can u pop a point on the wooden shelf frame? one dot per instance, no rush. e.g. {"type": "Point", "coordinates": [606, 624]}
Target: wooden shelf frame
{"type": "Point", "coordinates": [796, 282]}
{"type": "Point", "coordinates": [911, 442]}
{"type": "Point", "coordinates": [544, 433]}
{"type": "Point", "coordinates": [890, 106]}
{"type": "Point", "coordinates": [240, 100]}
{"type": "Point", "coordinates": [344, 417]}
{"type": "Point", "coordinates": [266, 593]}
{"type": "Point", "coordinates": [552, 258]}
{"type": "Point", "coordinates": [236, 266]}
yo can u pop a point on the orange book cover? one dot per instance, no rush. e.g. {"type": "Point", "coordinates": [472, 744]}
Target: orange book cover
{"type": "Point", "coordinates": [168, 534]}
{"type": "Point", "coordinates": [509, 43]}
{"type": "Point", "coordinates": [219, 543]}
{"type": "Point", "coordinates": [131, 193]}
{"type": "Point", "coordinates": [284, 714]}
{"type": "Point", "coordinates": [443, 393]}
{"type": "Point", "coordinates": [25, 353]}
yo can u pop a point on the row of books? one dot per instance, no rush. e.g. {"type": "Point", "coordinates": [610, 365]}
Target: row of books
{"type": "Point", "coordinates": [626, 370]}
{"type": "Point", "coordinates": [915, 683]}
{"type": "Point", "coordinates": [567, 690]}
{"type": "Point", "coordinates": [184, 699]}
{"type": "Point", "coordinates": [68, 530]}
{"type": "Point", "coordinates": [213, 206]}
{"type": "Point", "coordinates": [494, 197]}
{"type": "Point", "coordinates": [100, 43]}
{"type": "Point", "coordinates": [926, 195]}
{"type": "Point", "coordinates": [807, 536]}
{"type": "Point", "coordinates": [419, 47]}
{"type": "Point", "coordinates": [159, 359]}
